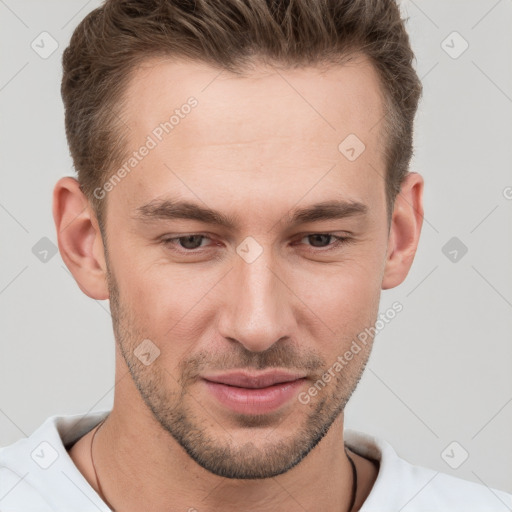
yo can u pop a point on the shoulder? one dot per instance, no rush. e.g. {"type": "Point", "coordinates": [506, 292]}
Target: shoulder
{"type": "Point", "coordinates": [403, 486]}
{"type": "Point", "coordinates": [37, 473]}
{"type": "Point", "coordinates": [16, 493]}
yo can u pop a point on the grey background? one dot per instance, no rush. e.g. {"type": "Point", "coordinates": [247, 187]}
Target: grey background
{"type": "Point", "coordinates": [440, 371]}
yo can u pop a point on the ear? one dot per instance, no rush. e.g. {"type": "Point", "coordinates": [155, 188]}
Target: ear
{"type": "Point", "coordinates": [79, 238]}
{"type": "Point", "coordinates": [405, 230]}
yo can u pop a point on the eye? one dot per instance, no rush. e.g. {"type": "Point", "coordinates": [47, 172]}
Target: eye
{"type": "Point", "coordinates": [186, 243]}
{"type": "Point", "coordinates": [321, 240]}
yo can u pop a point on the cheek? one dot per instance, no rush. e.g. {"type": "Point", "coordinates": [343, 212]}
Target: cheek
{"type": "Point", "coordinates": [344, 297]}
{"type": "Point", "coordinates": [165, 305]}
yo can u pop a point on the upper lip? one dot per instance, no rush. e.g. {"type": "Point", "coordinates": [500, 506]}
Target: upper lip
{"type": "Point", "coordinates": [254, 380]}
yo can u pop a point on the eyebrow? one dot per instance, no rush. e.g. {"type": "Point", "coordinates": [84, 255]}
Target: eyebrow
{"type": "Point", "coordinates": [168, 209]}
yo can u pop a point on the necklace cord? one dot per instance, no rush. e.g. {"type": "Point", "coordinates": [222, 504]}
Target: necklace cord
{"type": "Point", "coordinates": [101, 493]}
{"type": "Point", "coordinates": [354, 482]}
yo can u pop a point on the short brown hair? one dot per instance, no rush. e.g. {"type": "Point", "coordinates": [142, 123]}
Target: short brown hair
{"type": "Point", "coordinates": [113, 39]}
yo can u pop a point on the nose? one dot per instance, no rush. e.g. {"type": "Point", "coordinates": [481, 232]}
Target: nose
{"type": "Point", "coordinates": [257, 310]}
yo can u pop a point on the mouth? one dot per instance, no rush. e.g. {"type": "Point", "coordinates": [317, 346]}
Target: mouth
{"type": "Point", "coordinates": [255, 380]}
{"type": "Point", "coordinates": [254, 393]}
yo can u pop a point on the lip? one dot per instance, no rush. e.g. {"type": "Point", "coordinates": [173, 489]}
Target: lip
{"type": "Point", "coordinates": [254, 393]}
{"type": "Point", "coordinates": [243, 379]}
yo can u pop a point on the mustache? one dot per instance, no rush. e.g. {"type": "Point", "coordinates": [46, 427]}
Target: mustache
{"type": "Point", "coordinates": [276, 356]}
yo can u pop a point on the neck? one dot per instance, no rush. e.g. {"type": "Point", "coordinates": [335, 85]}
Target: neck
{"type": "Point", "coordinates": [323, 480]}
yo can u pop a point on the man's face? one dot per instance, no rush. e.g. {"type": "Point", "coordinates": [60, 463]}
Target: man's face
{"type": "Point", "coordinates": [255, 149]}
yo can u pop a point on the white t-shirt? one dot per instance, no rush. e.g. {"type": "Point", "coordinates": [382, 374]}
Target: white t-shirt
{"type": "Point", "coordinates": [38, 475]}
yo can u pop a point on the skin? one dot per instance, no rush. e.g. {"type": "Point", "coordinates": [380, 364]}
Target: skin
{"type": "Point", "coordinates": [295, 307]}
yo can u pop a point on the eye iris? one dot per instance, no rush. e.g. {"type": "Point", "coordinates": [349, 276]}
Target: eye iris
{"type": "Point", "coordinates": [187, 241]}
{"type": "Point", "coordinates": [326, 238]}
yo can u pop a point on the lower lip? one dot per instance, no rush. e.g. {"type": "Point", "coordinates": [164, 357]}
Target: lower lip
{"type": "Point", "coordinates": [254, 401]}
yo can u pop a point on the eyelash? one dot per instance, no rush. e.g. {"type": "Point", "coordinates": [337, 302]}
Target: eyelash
{"type": "Point", "coordinates": [339, 241]}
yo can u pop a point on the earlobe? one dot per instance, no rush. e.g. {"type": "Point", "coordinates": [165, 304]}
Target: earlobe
{"type": "Point", "coordinates": [79, 238]}
{"type": "Point", "coordinates": [404, 235]}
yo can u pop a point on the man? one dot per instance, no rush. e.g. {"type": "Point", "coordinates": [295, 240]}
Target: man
{"type": "Point", "coordinates": [242, 199]}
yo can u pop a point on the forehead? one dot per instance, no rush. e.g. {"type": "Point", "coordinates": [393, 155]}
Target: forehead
{"type": "Point", "coordinates": [267, 129]}
{"type": "Point", "coordinates": [338, 97]}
